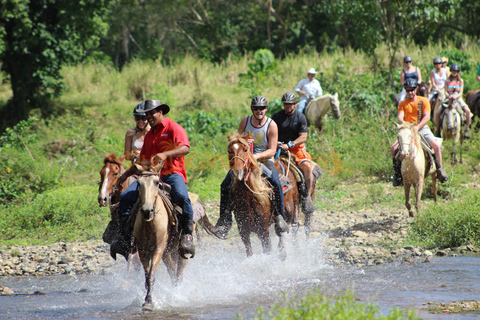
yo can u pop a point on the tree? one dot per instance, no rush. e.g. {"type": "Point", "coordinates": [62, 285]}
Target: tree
{"type": "Point", "coordinates": [36, 38]}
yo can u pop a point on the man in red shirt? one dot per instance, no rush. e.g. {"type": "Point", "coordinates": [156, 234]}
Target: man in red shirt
{"type": "Point", "coordinates": [416, 109]}
{"type": "Point", "coordinates": [168, 141]}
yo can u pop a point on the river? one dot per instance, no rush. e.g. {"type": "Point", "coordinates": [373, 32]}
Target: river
{"type": "Point", "coordinates": [220, 283]}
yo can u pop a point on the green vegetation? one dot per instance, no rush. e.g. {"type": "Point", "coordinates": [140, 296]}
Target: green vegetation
{"type": "Point", "coordinates": [57, 157]}
{"type": "Point", "coordinates": [318, 306]}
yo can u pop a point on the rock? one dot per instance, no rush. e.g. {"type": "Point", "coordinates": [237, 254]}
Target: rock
{"type": "Point", "coordinates": [428, 253]}
{"type": "Point", "coordinates": [5, 290]}
{"type": "Point", "coordinates": [360, 234]}
{"type": "Point", "coordinates": [441, 253]}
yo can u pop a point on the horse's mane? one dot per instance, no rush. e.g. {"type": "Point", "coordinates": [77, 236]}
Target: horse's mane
{"type": "Point", "coordinates": [256, 183]}
{"type": "Point", "coordinates": [109, 158]}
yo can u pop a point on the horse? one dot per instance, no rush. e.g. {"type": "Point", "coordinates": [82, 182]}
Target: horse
{"type": "Point", "coordinates": [155, 230]}
{"type": "Point", "coordinates": [250, 196]}
{"type": "Point", "coordinates": [112, 169]}
{"type": "Point", "coordinates": [451, 126]}
{"type": "Point", "coordinates": [318, 107]}
{"type": "Point", "coordinates": [473, 102]}
{"type": "Point", "coordinates": [413, 165]}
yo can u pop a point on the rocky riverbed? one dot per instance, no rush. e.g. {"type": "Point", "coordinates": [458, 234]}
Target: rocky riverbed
{"type": "Point", "coordinates": [360, 238]}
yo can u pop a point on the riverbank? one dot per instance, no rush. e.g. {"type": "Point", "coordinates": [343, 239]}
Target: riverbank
{"type": "Point", "coordinates": [359, 238]}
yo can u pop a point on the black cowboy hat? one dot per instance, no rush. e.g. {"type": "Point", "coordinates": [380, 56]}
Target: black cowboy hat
{"type": "Point", "coordinates": [156, 104]}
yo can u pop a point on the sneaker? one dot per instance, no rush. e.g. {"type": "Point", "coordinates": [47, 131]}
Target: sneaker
{"type": "Point", "coordinates": [467, 134]}
{"type": "Point", "coordinates": [280, 225]}
{"type": "Point", "coordinates": [186, 246]}
{"type": "Point", "coordinates": [442, 175]}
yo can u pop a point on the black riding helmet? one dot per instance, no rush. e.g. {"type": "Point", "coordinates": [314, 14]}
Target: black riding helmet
{"type": "Point", "coordinates": [437, 60]}
{"type": "Point", "coordinates": [139, 109]}
{"type": "Point", "coordinates": [407, 59]}
{"type": "Point", "coordinates": [410, 83]}
{"type": "Point", "coordinates": [454, 67]}
{"type": "Point", "coordinates": [289, 97]}
{"type": "Point", "coordinates": [259, 101]}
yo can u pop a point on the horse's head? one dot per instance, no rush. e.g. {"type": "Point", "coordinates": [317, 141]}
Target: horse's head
{"type": "Point", "coordinates": [335, 105]}
{"type": "Point", "coordinates": [422, 89]}
{"type": "Point", "coordinates": [450, 117]}
{"type": "Point", "coordinates": [109, 174]}
{"type": "Point", "coordinates": [240, 157]}
{"type": "Point", "coordinates": [406, 139]}
{"type": "Point", "coordinates": [148, 182]}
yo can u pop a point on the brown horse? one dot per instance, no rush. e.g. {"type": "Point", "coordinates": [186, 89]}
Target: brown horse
{"type": "Point", "coordinates": [250, 202]}
{"type": "Point", "coordinates": [473, 102]}
{"type": "Point", "coordinates": [291, 197]}
{"type": "Point", "coordinates": [155, 231]}
{"type": "Point", "coordinates": [109, 174]}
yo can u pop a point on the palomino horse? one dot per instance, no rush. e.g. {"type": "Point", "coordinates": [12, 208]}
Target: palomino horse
{"type": "Point", "coordinates": [320, 106]}
{"type": "Point", "coordinates": [155, 230]}
{"type": "Point", "coordinates": [250, 196]}
{"type": "Point", "coordinates": [413, 165]}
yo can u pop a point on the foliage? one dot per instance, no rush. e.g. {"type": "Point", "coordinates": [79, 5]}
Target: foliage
{"type": "Point", "coordinates": [449, 225]}
{"type": "Point", "coordinates": [36, 39]}
{"type": "Point", "coordinates": [319, 306]}
{"type": "Point", "coordinates": [258, 72]}
{"type": "Point", "coordinates": [66, 214]}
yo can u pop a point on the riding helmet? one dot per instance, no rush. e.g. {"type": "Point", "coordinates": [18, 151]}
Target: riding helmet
{"type": "Point", "coordinates": [454, 67]}
{"type": "Point", "coordinates": [139, 109]}
{"type": "Point", "coordinates": [289, 97]}
{"type": "Point", "coordinates": [410, 83]}
{"type": "Point", "coordinates": [407, 59]}
{"type": "Point", "coordinates": [259, 101]}
{"type": "Point", "coordinates": [437, 60]}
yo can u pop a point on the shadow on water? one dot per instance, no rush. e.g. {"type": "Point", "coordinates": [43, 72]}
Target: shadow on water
{"type": "Point", "coordinates": [221, 283]}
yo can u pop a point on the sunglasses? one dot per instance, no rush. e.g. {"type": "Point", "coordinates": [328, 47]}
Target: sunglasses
{"type": "Point", "coordinates": [140, 118]}
{"type": "Point", "coordinates": [408, 61]}
{"type": "Point", "coordinates": [259, 108]}
{"type": "Point", "coordinates": [444, 62]}
{"type": "Point", "coordinates": [438, 62]}
{"type": "Point", "coordinates": [409, 90]}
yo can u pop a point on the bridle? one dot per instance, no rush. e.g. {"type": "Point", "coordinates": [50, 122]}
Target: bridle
{"type": "Point", "coordinates": [411, 145]}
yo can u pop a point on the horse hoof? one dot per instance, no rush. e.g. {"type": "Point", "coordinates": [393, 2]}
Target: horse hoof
{"type": "Point", "coordinates": [411, 213]}
{"type": "Point", "coordinates": [147, 306]}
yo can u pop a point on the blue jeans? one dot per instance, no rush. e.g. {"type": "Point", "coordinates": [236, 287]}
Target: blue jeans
{"type": "Point", "coordinates": [179, 196]}
{"type": "Point", "coordinates": [301, 106]}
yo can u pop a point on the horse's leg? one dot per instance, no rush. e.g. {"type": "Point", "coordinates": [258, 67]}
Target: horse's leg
{"type": "Point", "coordinates": [281, 248]}
{"type": "Point", "coordinates": [434, 185]}
{"type": "Point", "coordinates": [181, 264]}
{"type": "Point", "coordinates": [150, 278]}
{"type": "Point", "coordinates": [418, 194]}
{"type": "Point", "coordinates": [169, 262]}
{"type": "Point", "coordinates": [407, 198]}
{"type": "Point", "coordinates": [245, 236]}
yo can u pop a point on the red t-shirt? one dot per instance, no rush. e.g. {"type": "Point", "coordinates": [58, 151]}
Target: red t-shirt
{"type": "Point", "coordinates": [167, 136]}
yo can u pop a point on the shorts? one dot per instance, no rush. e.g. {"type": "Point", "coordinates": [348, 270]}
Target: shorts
{"type": "Point", "coordinates": [300, 154]}
{"type": "Point", "coordinates": [427, 134]}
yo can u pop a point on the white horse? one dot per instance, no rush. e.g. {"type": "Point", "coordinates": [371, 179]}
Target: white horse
{"type": "Point", "coordinates": [451, 126]}
{"type": "Point", "coordinates": [320, 106]}
{"type": "Point", "coordinates": [413, 165]}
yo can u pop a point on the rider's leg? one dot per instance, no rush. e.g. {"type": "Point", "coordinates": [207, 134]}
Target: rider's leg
{"type": "Point", "coordinates": [436, 120]}
{"type": "Point", "coordinates": [301, 106]}
{"type": "Point", "coordinates": [468, 120]}
{"type": "Point", "coordinates": [280, 224]}
{"type": "Point", "coordinates": [437, 149]}
{"type": "Point", "coordinates": [179, 194]}
{"type": "Point", "coordinates": [121, 244]}
{"type": "Point", "coordinates": [224, 222]}
{"type": "Point", "coordinates": [306, 167]}
{"type": "Point", "coordinates": [397, 166]}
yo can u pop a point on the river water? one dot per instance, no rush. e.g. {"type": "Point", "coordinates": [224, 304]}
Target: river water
{"type": "Point", "coordinates": [220, 283]}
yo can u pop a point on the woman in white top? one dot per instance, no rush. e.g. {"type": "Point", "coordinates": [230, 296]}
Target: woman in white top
{"type": "Point", "coordinates": [437, 80]}
{"type": "Point", "coordinates": [135, 136]}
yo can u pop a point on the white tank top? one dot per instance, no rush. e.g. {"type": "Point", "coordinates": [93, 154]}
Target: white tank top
{"type": "Point", "coordinates": [258, 134]}
{"type": "Point", "coordinates": [136, 144]}
{"type": "Point", "coordinates": [440, 80]}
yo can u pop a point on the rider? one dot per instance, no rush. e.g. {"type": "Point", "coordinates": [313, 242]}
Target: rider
{"type": "Point", "coordinates": [437, 80]}
{"type": "Point", "coordinates": [166, 141]}
{"type": "Point", "coordinates": [263, 133]}
{"type": "Point", "coordinates": [454, 91]}
{"type": "Point", "coordinates": [408, 72]}
{"type": "Point", "coordinates": [135, 136]}
{"type": "Point", "coordinates": [416, 109]}
{"type": "Point", "coordinates": [444, 63]}
{"type": "Point", "coordinates": [292, 134]}
{"type": "Point", "coordinates": [307, 88]}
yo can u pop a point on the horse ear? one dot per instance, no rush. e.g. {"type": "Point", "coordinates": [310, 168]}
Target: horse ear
{"type": "Point", "coordinates": [336, 95]}
{"type": "Point", "coordinates": [157, 164]}
{"type": "Point", "coordinates": [122, 158]}
{"type": "Point", "coordinates": [397, 125]}
{"type": "Point", "coordinates": [229, 137]}
{"type": "Point", "coordinates": [140, 168]}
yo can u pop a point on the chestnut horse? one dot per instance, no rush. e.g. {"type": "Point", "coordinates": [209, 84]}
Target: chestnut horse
{"type": "Point", "coordinates": [155, 230]}
{"type": "Point", "coordinates": [109, 174]}
{"type": "Point", "coordinates": [413, 165]}
{"type": "Point", "coordinates": [291, 198]}
{"type": "Point", "coordinates": [250, 201]}
{"type": "Point", "coordinates": [473, 101]}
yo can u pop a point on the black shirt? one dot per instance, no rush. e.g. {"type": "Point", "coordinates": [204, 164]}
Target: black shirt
{"type": "Point", "coordinates": [290, 126]}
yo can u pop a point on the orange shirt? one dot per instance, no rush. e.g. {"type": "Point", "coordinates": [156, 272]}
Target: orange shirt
{"type": "Point", "coordinates": [414, 110]}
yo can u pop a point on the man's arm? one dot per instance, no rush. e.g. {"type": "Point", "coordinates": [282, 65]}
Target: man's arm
{"type": "Point", "coordinates": [425, 119]}
{"type": "Point", "coordinates": [299, 88]}
{"type": "Point", "coordinates": [243, 124]}
{"type": "Point", "coordinates": [179, 151]}
{"type": "Point", "coordinates": [400, 116]}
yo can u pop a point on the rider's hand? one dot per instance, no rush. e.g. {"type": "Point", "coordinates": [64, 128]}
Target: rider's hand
{"type": "Point", "coordinates": [250, 141]}
{"type": "Point", "coordinates": [159, 157]}
{"type": "Point", "coordinates": [284, 147]}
